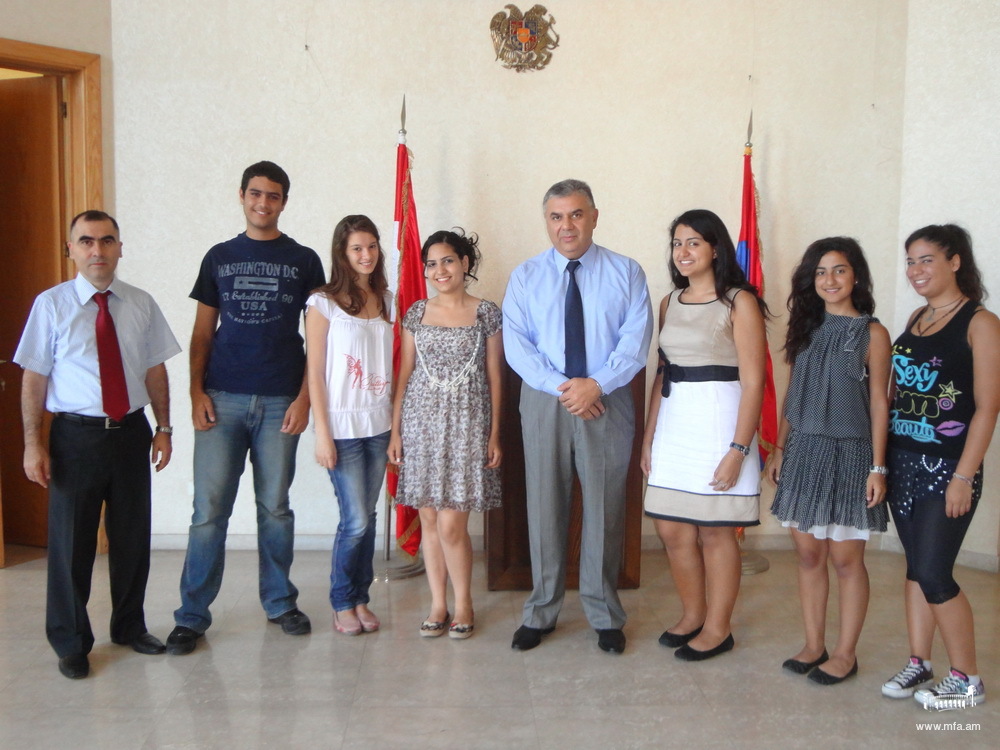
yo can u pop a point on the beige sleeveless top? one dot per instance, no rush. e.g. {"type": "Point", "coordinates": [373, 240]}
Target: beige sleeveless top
{"type": "Point", "coordinates": [694, 335]}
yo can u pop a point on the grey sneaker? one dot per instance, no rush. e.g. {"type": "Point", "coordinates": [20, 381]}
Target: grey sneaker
{"type": "Point", "coordinates": [954, 691]}
{"type": "Point", "coordinates": [908, 679]}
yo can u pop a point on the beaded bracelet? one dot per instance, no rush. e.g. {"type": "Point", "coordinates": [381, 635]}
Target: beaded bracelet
{"type": "Point", "coordinates": [962, 478]}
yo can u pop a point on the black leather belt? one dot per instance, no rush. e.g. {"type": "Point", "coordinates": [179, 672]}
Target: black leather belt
{"type": "Point", "coordinates": [106, 423]}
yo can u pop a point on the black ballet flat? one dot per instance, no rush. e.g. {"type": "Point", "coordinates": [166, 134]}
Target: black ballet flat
{"type": "Point", "coordinates": [801, 667]}
{"type": "Point", "coordinates": [686, 653]}
{"type": "Point", "coordinates": [676, 640]}
{"type": "Point", "coordinates": [823, 678]}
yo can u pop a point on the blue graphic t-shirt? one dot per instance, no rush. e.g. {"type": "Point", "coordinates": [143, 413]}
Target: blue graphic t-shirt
{"type": "Point", "coordinates": [260, 289]}
{"type": "Point", "coordinates": [934, 400]}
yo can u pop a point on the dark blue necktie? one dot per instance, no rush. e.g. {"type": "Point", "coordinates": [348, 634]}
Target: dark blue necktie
{"type": "Point", "coordinates": [576, 345]}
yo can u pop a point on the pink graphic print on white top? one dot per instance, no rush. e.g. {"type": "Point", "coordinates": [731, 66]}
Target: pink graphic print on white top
{"type": "Point", "coordinates": [370, 382]}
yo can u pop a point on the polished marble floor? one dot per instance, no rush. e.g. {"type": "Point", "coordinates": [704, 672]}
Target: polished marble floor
{"type": "Point", "coordinates": [249, 686]}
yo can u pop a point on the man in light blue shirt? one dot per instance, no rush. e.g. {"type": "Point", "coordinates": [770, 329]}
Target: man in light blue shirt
{"type": "Point", "coordinates": [576, 406]}
{"type": "Point", "coordinates": [100, 445]}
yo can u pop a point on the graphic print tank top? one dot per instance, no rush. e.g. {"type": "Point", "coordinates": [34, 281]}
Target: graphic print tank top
{"type": "Point", "coordinates": [934, 400]}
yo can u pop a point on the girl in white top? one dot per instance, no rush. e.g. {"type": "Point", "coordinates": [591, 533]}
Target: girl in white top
{"type": "Point", "coordinates": [349, 365]}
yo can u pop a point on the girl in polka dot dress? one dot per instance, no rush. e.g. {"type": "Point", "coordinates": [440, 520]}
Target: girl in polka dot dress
{"type": "Point", "coordinates": [829, 464]}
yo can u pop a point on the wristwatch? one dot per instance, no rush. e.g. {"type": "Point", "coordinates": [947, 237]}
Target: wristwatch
{"type": "Point", "coordinates": [168, 430]}
{"type": "Point", "coordinates": [883, 470]}
{"type": "Point", "coordinates": [745, 450]}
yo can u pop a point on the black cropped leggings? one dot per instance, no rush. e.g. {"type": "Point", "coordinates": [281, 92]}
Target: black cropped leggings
{"type": "Point", "coordinates": [930, 539]}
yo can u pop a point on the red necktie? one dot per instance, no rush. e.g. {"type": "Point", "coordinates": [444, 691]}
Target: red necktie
{"type": "Point", "coordinates": [109, 357]}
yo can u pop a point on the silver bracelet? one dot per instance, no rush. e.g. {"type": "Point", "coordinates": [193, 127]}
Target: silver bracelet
{"type": "Point", "coordinates": [883, 470]}
{"type": "Point", "coordinates": [962, 478]}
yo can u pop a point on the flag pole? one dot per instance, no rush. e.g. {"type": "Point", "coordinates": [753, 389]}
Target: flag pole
{"type": "Point", "coordinates": [751, 561]}
{"type": "Point", "coordinates": [414, 567]}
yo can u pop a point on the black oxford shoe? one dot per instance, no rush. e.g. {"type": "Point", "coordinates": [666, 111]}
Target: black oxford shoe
{"type": "Point", "coordinates": [146, 643]}
{"type": "Point", "coordinates": [293, 622]}
{"type": "Point", "coordinates": [526, 638]}
{"type": "Point", "coordinates": [182, 640]}
{"type": "Point", "coordinates": [74, 666]}
{"type": "Point", "coordinates": [611, 640]}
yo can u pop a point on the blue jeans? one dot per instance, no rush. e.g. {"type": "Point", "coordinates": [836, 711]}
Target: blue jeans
{"type": "Point", "coordinates": [357, 479]}
{"type": "Point", "coordinates": [243, 423]}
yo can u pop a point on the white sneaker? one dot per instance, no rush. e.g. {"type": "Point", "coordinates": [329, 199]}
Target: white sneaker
{"type": "Point", "coordinates": [908, 679]}
{"type": "Point", "coordinates": [954, 691]}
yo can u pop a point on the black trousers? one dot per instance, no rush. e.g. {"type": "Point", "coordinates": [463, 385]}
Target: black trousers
{"type": "Point", "coordinates": [91, 465]}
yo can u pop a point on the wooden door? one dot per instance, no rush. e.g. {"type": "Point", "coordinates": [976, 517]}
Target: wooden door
{"type": "Point", "coordinates": [508, 560]}
{"type": "Point", "coordinates": [31, 176]}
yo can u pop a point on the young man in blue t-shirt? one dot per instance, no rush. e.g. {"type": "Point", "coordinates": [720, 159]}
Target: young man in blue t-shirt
{"type": "Point", "coordinates": [248, 394]}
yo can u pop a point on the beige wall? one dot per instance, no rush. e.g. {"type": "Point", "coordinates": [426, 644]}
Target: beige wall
{"type": "Point", "coordinates": [648, 102]}
{"type": "Point", "coordinates": [950, 157]}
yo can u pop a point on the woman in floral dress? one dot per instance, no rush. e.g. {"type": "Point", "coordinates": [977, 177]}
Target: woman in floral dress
{"type": "Point", "coordinates": [445, 422]}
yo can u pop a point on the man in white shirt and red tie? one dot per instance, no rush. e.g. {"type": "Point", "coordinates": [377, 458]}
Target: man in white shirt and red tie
{"type": "Point", "coordinates": [93, 353]}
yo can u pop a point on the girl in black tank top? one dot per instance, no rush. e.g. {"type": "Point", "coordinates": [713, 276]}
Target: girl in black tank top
{"type": "Point", "coordinates": [947, 379]}
{"type": "Point", "coordinates": [934, 401]}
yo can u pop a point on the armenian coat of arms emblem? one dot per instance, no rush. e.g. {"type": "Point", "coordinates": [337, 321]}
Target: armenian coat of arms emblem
{"type": "Point", "coordinates": [523, 41]}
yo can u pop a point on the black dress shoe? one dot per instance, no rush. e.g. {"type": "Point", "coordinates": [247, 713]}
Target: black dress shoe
{"type": "Point", "coordinates": [293, 622]}
{"type": "Point", "coordinates": [825, 678]}
{"type": "Point", "coordinates": [686, 653]}
{"type": "Point", "coordinates": [801, 667]}
{"type": "Point", "coordinates": [146, 643]}
{"type": "Point", "coordinates": [74, 666]}
{"type": "Point", "coordinates": [676, 640]}
{"type": "Point", "coordinates": [182, 640]}
{"type": "Point", "coordinates": [526, 638]}
{"type": "Point", "coordinates": [611, 640]}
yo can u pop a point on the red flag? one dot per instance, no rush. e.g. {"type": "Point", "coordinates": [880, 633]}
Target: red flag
{"type": "Point", "coordinates": [748, 255]}
{"type": "Point", "coordinates": [406, 239]}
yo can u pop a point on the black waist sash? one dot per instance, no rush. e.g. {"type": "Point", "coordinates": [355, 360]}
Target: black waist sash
{"type": "Point", "coordinates": [676, 374]}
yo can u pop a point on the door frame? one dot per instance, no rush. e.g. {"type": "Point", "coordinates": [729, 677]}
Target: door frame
{"type": "Point", "coordinates": [85, 149]}
{"type": "Point", "coordinates": [83, 172]}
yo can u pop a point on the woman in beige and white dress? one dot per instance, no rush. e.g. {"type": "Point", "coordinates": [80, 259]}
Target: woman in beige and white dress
{"type": "Point", "coordinates": [700, 452]}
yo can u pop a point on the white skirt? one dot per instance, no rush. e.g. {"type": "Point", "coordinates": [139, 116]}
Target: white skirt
{"type": "Point", "coordinates": [693, 430]}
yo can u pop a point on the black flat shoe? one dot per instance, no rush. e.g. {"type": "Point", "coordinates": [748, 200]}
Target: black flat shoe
{"type": "Point", "coordinates": [823, 678]}
{"type": "Point", "coordinates": [611, 640]}
{"type": "Point", "coordinates": [526, 638]}
{"type": "Point", "coordinates": [801, 667]}
{"type": "Point", "coordinates": [676, 640]}
{"type": "Point", "coordinates": [74, 666]}
{"type": "Point", "coordinates": [686, 653]}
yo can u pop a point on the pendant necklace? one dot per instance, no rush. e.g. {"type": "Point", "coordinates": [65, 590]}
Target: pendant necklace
{"type": "Point", "coordinates": [925, 325]}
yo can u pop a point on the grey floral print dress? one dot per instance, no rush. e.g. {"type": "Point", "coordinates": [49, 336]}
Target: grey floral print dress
{"type": "Point", "coordinates": [446, 415]}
